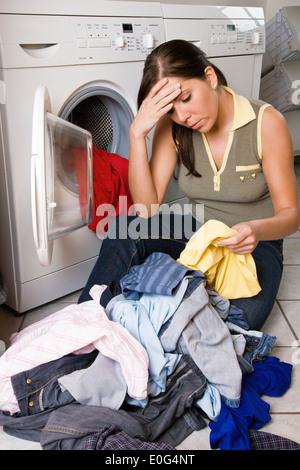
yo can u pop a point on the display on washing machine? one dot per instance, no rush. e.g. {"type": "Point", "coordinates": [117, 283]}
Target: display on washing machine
{"type": "Point", "coordinates": [127, 28]}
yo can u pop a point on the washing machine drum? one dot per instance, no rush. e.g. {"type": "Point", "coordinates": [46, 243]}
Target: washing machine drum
{"type": "Point", "coordinates": [92, 115]}
{"type": "Point", "coordinates": [106, 115]}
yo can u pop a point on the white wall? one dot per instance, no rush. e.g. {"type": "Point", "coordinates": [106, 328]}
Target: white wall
{"type": "Point", "coordinates": [273, 6]}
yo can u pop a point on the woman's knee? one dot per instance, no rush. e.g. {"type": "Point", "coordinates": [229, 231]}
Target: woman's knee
{"type": "Point", "coordinates": [269, 266]}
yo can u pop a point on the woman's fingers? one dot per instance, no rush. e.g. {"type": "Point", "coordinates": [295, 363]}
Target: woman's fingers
{"type": "Point", "coordinates": [158, 86]}
{"type": "Point", "coordinates": [243, 242]}
{"type": "Point", "coordinates": [164, 93]}
{"type": "Point", "coordinates": [158, 102]}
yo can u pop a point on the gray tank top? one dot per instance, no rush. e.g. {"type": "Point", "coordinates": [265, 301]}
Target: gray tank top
{"type": "Point", "coordinates": [238, 191]}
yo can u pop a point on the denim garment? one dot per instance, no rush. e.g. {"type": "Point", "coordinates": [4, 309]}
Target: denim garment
{"type": "Point", "coordinates": [237, 316]}
{"type": "Point", "coordinates": [169, 417]}
{"type": "Point", "coordinates": [38, 393]}
{"type": "Point", "coordinates": [258, 346]}
{"type": "Point", "coordinates": [123, 249]}
{"type": "Point", "coordinates": [268, 258]}
{"type": "Point", "coordinates": [38, 390]}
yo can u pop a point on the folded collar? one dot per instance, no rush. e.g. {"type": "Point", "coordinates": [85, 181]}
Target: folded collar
{"type": "Point", "coordinates": [243, 111]}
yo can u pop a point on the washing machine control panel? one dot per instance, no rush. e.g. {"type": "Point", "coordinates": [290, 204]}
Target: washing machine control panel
{"type": "Point", "coordinates": [110, 39]}
{"type": "Point", "coordinates": [238, 36]}
{"type": "Point", "coordinates": [220, 37]}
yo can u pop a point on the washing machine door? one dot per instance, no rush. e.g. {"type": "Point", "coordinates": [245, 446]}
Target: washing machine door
{"type": "Point", "coordinates": [61, 176]}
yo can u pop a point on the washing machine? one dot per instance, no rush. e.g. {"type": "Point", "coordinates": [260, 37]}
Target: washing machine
{"type": "Point", "coordinates": [69, 77]}
{"type": "Point", "coordinates": [233, 39]}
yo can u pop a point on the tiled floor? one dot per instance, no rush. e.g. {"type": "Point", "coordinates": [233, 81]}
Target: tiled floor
{"type": "Point", "coordinates": [284, 323]}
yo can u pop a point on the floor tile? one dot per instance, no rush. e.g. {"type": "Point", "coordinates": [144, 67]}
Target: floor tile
{"type": "Point", "coordinates": [291, 311]}
{"type": "Point", "coordinates": [285, 425]}
{"type": "Point", "coordinates": [290, 287]}
{"type": "Point", "coordinates": [41, 312]}
{"type": "Point", "coordinates": [8, 442]}
{"type": "Point", "coordinates": [198, 440]}
{"type": "Point", "coordinates": [277, 325]}
{"type": "Point", "coordinates": [294, 235]}
{"type": "Point", "coordinates": [291, 251]}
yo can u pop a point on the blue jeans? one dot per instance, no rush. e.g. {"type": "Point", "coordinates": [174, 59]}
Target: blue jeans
{"type": "Point", "coordinates": [130, 240]}
{"type": "Point", "coordinates": [268, 258]}
{"type": "Point", "coordinates": [57, 421]}
{"type": "Point", "coordinates": [170, 417]}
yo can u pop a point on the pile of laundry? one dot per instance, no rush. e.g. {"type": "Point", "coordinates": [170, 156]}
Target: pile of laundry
{"type": "Point", "coordinates": [142, 365]}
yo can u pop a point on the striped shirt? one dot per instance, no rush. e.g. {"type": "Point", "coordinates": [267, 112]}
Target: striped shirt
{"type": "Point", "coordinates": [159, 274]}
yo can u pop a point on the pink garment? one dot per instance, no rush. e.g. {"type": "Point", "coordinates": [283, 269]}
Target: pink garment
{"type": "Point", "coordinates": [78, 328]}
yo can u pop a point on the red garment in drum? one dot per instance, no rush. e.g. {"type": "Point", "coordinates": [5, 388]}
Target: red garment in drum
{"type": "Point", "coordinates": [111, 194]}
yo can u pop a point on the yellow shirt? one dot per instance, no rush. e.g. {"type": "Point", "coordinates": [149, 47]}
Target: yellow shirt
{"type": "Point", "coordinates": [233, 276]}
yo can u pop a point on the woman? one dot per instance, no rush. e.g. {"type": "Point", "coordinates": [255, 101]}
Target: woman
{"type": "Point", "coordinates": [235, 158]}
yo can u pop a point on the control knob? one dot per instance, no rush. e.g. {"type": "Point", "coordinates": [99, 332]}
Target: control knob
{"type": "Point", "coordinates": [120, 42]}
{"type": "Point", "coordinates": [148, 41]}
{"type": "Point", "coordinates": [255, 37]}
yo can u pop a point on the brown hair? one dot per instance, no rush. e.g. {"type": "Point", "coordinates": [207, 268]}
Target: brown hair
{"type": "Point", "coordinates": [177, 58]}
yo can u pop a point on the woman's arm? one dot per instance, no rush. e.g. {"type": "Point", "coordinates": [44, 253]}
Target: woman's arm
{"type": "Point", "coordinates": [278, 168]}
{"type": "Point", "coordinates": [148, 181]}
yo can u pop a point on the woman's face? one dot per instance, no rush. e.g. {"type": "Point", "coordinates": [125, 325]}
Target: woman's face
{"type": "Point", "coordinates": [197, 105]}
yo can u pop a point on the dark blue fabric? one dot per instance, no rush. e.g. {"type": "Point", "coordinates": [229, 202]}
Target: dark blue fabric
{"type": "Point", "coordinates": [231, 432]}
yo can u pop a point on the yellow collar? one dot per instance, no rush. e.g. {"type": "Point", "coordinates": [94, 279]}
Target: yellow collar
{"type": "Point", "coordinates": [243, 111]}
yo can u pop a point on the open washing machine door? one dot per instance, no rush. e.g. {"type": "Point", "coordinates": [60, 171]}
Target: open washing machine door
{"type": "Point", "coordinates": [61, 176]}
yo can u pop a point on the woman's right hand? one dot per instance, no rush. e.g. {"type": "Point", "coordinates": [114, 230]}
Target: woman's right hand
{"type": "Point", "coordinates": [158, 103]}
